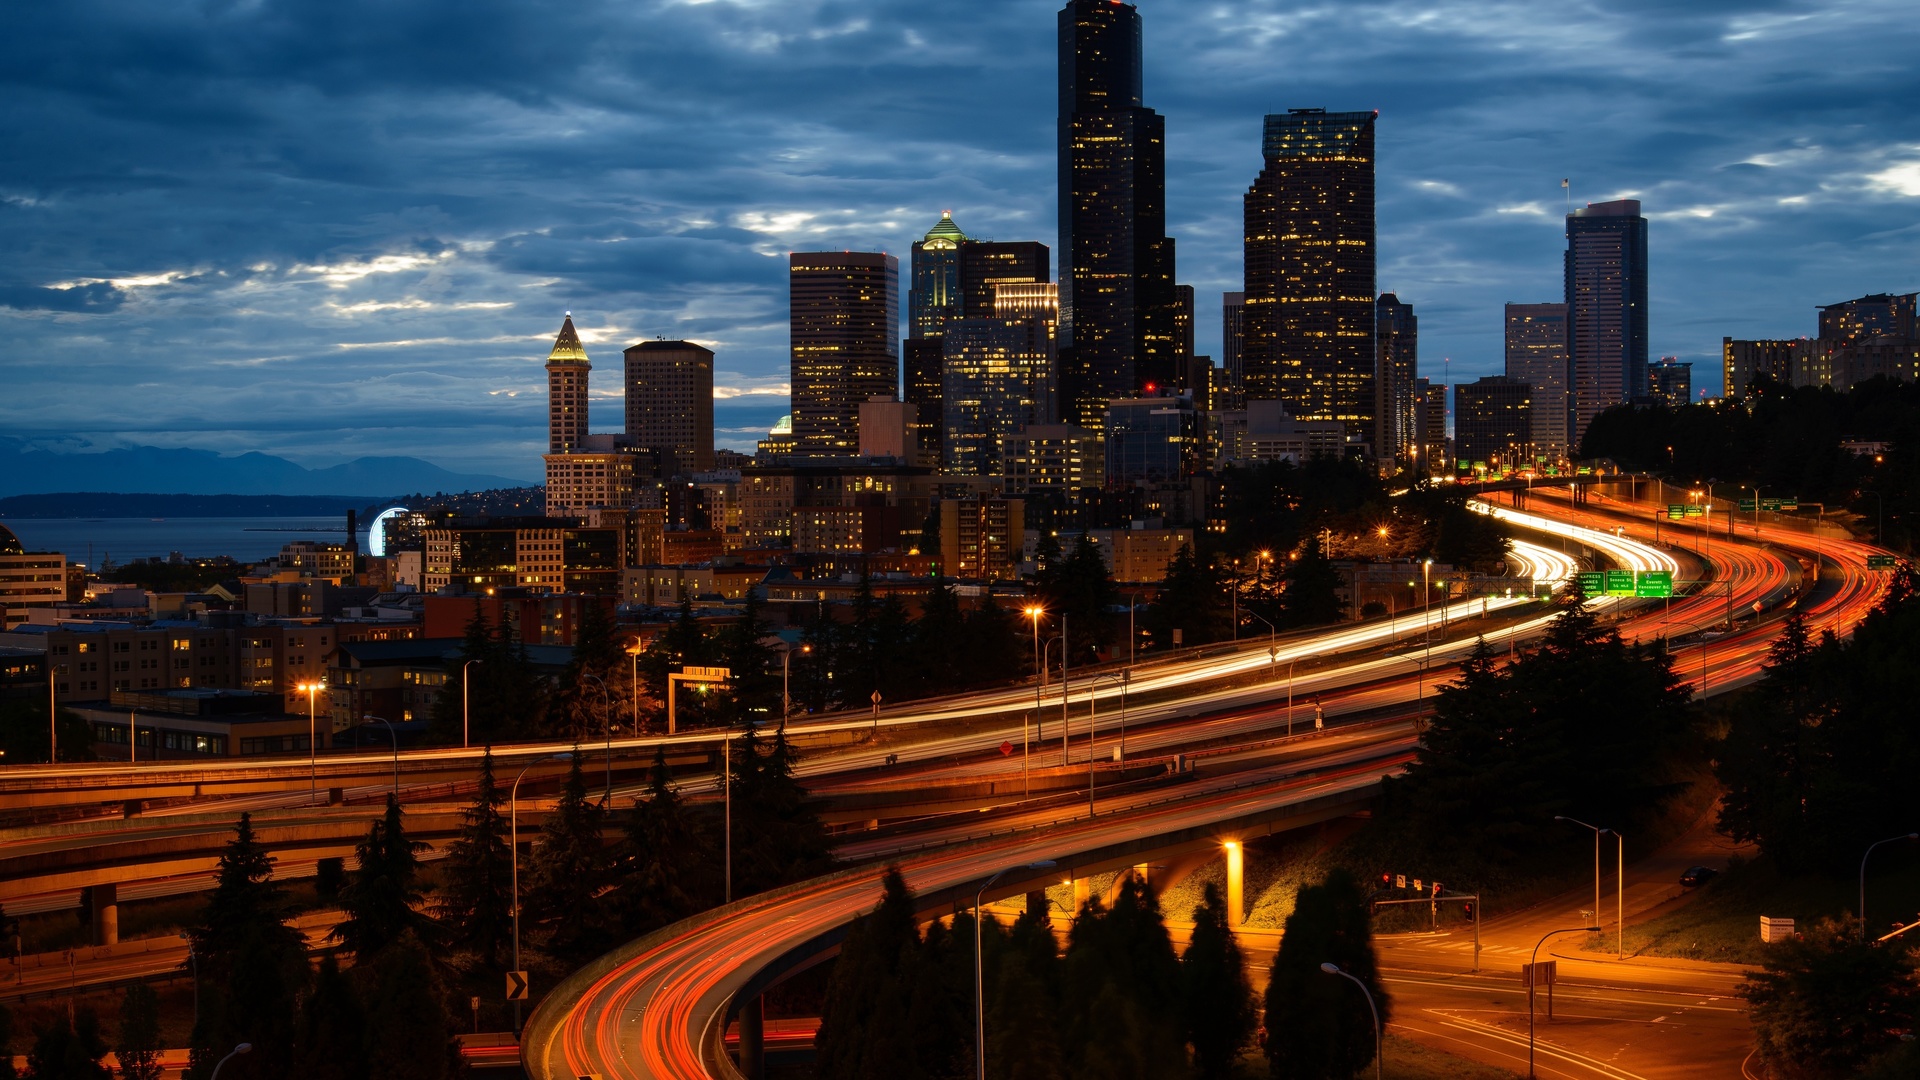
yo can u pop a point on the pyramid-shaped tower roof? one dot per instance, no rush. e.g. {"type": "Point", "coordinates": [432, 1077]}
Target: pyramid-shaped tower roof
{"type": "Point", "coordinates": [566, 347]}
{"type": "Point", "coordinates": [944, 233]}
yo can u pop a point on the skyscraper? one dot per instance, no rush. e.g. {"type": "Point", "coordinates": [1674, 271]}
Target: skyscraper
{"type": "Point", "coordinates": [985, 265]}
{"type": "Point", "coordinates": [670, 404]}
{"type": "Point", "coordinates": [1536, 336]}
{"type": "Point", "coordinates": [567, 368]}
{"type": "Point", "coordinates": [1233, 308]}
{"type": "Point", "coordinates": [1492, 424]}
{"type": "Point", "coordinates": [934, 300]}
{"type": "Point", "coordinates": [845, 326]}
{"type": "Point", "coordinates": [999, 379]}
{"type": "Point", "coordinates": [1397, 341]}
{"type": "Point", "coordinates": [1309, 322]}
{"type": "Point", "coordinates": [1116, 261]}
{"type": "Point", "coordinates": [1606, 282]}
{"type": "Point", "coordinates": [1670, 382]}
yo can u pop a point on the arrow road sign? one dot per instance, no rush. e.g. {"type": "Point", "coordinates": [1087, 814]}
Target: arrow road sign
{"type": "Point", "coordinates": [516, 986]}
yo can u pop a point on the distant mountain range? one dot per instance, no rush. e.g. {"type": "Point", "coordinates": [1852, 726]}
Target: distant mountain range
{"type": "Point", "coordinates": [156, 470]}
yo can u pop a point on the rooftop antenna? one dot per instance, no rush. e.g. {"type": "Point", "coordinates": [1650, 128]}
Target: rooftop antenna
{"type": "Point", "coordinates": [1566, 185]}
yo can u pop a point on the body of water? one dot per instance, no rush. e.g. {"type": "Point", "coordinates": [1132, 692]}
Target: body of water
{"type": "Point", "coordinates": [124, 539]}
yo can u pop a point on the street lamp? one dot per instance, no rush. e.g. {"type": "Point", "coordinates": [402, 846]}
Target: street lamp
{"type": "Point", "coordinates": [1863, 876]}
{"type": "Point", "coordinates": [1533, 965]}
{"type": "Point", "coordinates": [1379, 1045]}
{"type": "Point", "coordinates": [979, 980]}
{"type": "Point", "coordinates": [786, 698]}
{"type": "Point", "coordinates": [313, 752]}
{"type": "Point", "coordinates": [466, 713]}
{"type": "Point", "coordinates": [1426, 589]}
{"type": "Point", "coordinates": [1620, 868]}
{"type": "Point", "coordinates": [633, 653]}
{"type": "Point", "coordinates": [606, 708]}
{"type": "Point", "coordinates": [513, 850]}
{"type": "Point", "coordinates": [395, 736]}
{"type": "Point", "coordinates": [1122, 678]}
{"type": "Point", "coordinates": [243, 1048]}
{"type": "Point", "coordinates": [1032, 611]}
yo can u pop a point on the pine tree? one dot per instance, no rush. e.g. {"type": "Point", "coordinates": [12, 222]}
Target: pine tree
{"type": "Point", "coordinates": [408, 1026]}
{"type": "Point", "coordinates": [476, 898]}
{"type": "Point", "coordinates": [468, 686]}
{"type": "Point", "coordinates": [863, 1024]}
{"type": "Point", "coordinates": [252, 966]}
{"type": "Point", "coordinates": [1312, 595]}
{"type": "Point", "coordinates": [139, 1046]}
{"type": "Point", "coordinates": [333, 1028]}
{"type": "Point", "coordinates": [778, 834]}
{"type": "Point", "coordinates": [568, 866]}
{"type": "Point", "coordinates": [1319, 1024]}
{"type": "Point", "coordinates": [1193, 600]}
{"type": "Point", "coordinates": [584, 707]}
{"type": "Point", "coordinates": [382, 901]}
{"type": "Point", "coordinates": [1827, 1002]}
{"type": "Point", "coordinates": [1120, 1006]}
{"type": "Point", "coordinates": [942, 642]}
{"type": "Point", "coordinates": [669, 859]}
{"type": "Point", "coordinates": [995, 645]}
{"type": "Point", "coordinates": [1220, 1009]}
{"type": "Point", "coordinates": [63, 1051]}
{"type": "Point", "coordinates": [753, 688]}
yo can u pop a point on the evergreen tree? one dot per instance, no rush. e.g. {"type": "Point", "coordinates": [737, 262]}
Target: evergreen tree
{"type": "Point", "coordinates": [584, 707]}
{"type": "Point", "coordinates": [1193, 599]}
{"type": "Point", "coordinates": [382, 901]}
{"type": "Point", "coordinates": [1312, 595]}
{"type": "Point", "coordinates": [1022, 1020]}
{"type": "Point", "coordinates": [1827, 1002]}
{"type": "Point", "coordinates": [476, 897]}
{"type": "Point", "coordinates": [139, 1046]}
{"type": "Point", "coordinates": [63, 1051]}
{"type": "Point", "coordinates": [1220, 1010]}
{"type": "Point", "coordinates": [863, 1022]}
{"type": "Point", "coordinates": [669, 858]}
{"type": "Point", "coordinates": [6, 1044]}
{"type": "Point", "coordinates": [465, 696]}
{"type": "Point", "coordinates": [812, 670]}
{"type": "Point", "coordinates": [568, 866]}
{"type": "Point", "coordinates": [1319, 1024]}
{"type": "Point", "coordinates": [252, 966]}
{"type": "Point", "coordinates": [684, 643]}
{"type": "Point", "coordinates": [1120, 1007]}
{"type": "Point", "coordinates": [940, 1001]}
{"type": "Point", "coordinates": [409, 1030]}
{"type": "Point", "coordinates": [333, 1028]}
{"type": "Point", "coordinates": [941, 643]}
{"type": "Point", "coordinates": [753, 688]}
{"type": "Point", "coordinates": [996, 645]}
{"type": "Point", "coordinates": [778, 836]}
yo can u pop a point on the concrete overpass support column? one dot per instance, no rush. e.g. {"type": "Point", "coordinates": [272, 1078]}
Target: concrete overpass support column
{"type": "Point", "coordinates": [1082, 892]}
{"type": "Point", "coordinates": [1037, 903]}
{"type": "Point", "coordinates": [104, 900]}
{"type": "Point", "coordinates": [753, 1039]}
{"type": "Point", "coordinates": [1236, 884]}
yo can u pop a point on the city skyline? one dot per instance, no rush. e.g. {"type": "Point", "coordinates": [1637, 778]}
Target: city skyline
{"type": "Point", "coordinates": [319, 226]}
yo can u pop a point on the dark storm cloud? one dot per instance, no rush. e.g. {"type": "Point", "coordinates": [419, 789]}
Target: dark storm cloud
{"type": "Point", "coordinates": [331, 228]}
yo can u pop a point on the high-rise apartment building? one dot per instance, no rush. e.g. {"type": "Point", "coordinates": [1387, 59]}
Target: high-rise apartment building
{"type": "Point", "coordinates": [982, 539]}
{"type": "Point", "coordinates": [1881, 315]}
{"type": "Point", "coordinates": [1116, 261]}
{"type": "Point", "coordinates": [1536, 348]}
{"type": "Point", "coordinates": [1606, 286]}
{"type": "Point", "coordinates": [845, 327]}
{"type": "Point", "coordinates": [670, 404]}
{"type": "Point", "coordinates": [1397, 344]}
{"type": "Point", "coordinates": [1233, 308]}
{"type": "Point", "coordinates": [567, 369]}
{"type": "Point", "coordinates": [1310, 250]}
{"type": "Point", "coordinates": [1778, 359]}
{"type": "Point", "coordinates": [1491, 423]}
{"type": "Point", "coordinates": [1670, 382]}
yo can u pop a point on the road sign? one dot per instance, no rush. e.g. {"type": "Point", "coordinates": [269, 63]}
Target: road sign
{"type": "Point", "coordinates": [1399, 881]}
{"type": "Point", "coordinates": [516, 986]}
{"type": "Point", "coordinates": [1696, 510]}
{"type": "Point", "coordinates": [1417, 887]}
{"type": "Point", "coordinates": [1653, 583]}
{"type": "Point", "coordinates": [1748, 506]}
{"type": "Point", "coordinates": [1880, 562]}
{"type": "Point", "coordinates": [1619, 583]}
{"type": "Point", "coordinates": [1593, 583]}
{"type": "Point", "coordinates": [1544, 973]}
{"type": "Point", "coordinates": [1006, 748]}
{"type": "Point", "coordinates": [1676, 511]}
{"type": "Point", "coordinates": [706, 674]}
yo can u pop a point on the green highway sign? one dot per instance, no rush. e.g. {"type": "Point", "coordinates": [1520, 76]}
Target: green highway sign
{"type": "Point", "coordinates": [1654, 583]}
{"type": "Point", "coordinates": [1619, 583]}
{"type": "Point", "coordinates": [1696, 510]}
{"type": "Point", "coordinates": [1593, 583]}
{"type": "Point", "coordinates": [1748, 506]}
{"type": "Point", "coordinates": [1880, 562]}
{"type": "Point", "coordinates": [1676, 511]}
{"type": "Point", "coordinates": [1787, 504]}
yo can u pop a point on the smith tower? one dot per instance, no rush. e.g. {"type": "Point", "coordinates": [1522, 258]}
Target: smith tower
{"type": "Point", "coordinates": [1310, 301]}
{"type": "Point", "coordinates": [1117, 301]}
{"type": "Point", "coordinates": [567, 368]}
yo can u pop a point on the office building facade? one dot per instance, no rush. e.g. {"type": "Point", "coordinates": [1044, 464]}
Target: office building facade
{"type": "Point", "coordinates": [1310, 251]}
{"type": "Point", "coordinates": [1536, 354]}
{"type": "Point", "coordinates": [1117, 301]}
{"type": "Point", "coordinates": [1397, 346]}
{"type": "Point", "coordinates": [986, 265]}
{"type": "Point", "coordinates": [1233, 308]}
{"type": "Point", "coordinates": [1670, 382]}
{"type": "Point", "coordinates": [1151, 441]}
{"type": "Point", "coordinates": [1053, 458]}
{"type": "Point", "coordinates": [1606, 297]}
{"type": "Point", "coordinates": [1492, 424]}
{"type": "Point", "coordinates": [999, 379]}
{"type": "Point", "coordinates": [670, 404]}
{"type": "Point", "coordinates": [845, 347]}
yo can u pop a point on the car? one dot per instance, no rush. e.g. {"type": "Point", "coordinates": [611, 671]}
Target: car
{"type": "Point", "coordinates": [1698, 875]}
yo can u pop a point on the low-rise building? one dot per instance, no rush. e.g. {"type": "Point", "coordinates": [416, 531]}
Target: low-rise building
{"type": "Point", "coordinates": [28, 579]}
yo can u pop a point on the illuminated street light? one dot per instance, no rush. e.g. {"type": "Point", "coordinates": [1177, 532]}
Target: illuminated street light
{"type": "Point", "coordinates": [313, 744]}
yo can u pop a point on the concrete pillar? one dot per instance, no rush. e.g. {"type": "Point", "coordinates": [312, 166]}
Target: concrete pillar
{"type": "Point", "coordinates": [1143, 874]}
{"type": "Point", "coordinates": [1082, 892]}
{"type": "Point", "coordinates": [105, 902]}
{"type": "Point", "coordinates": [1236, 884]}
{"type": "Point", "coordinates": [753, 1039]}
{"type": "Point", "coordinates": [1037, 903]}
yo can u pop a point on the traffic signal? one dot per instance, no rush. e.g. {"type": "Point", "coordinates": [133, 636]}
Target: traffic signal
{"type": "Point", "coordinates": [1386, 881]}
{"type": "Point", "coordinates": [1469, 907]}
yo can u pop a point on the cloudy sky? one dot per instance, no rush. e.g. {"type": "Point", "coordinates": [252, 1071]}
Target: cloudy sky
{"type": "Point", "coordinates": [328, 228]}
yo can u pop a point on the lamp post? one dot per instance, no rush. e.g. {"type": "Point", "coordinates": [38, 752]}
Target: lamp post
{"type": "Point", "coordinates": [606, 708]}
{"type": "Point", "coordinates": [1033, 612]}
{"type": "Point", "coordinates": [513, 851]}
{"type": "Point", "coordinates": [786, 663]}
{"type": "Point", "coordinates": [1379, 1045]}
{"type": "Point", "coordinates": [1863, 875]}
{"type": "Point", "coordinates": [1426, 590]}
{"type": "Point", "coordinates": [633, 653]}
{"type": "Point", "coordinates": [1620, 896]}
{"type": "Point", "coordinates": [1290, 664]}
{"type": "Point", "coordinates": [395, 736]}
{"type": "Point", "coordinates": [313, 744]}
{"type": "Point", "coordinates": [1122, 678]}
{"type": "Point", "coordinates": [1533, 964]}
{"type": "Point", "coordinates": [979, 980]}
{"type": "Point", "coordinates": [243, 1048]}
{"type": "Point", "coordinates": [466, 698]}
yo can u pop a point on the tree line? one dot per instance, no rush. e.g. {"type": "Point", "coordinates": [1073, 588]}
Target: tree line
{"type": "Point", "coordinates": [1117, 1003]}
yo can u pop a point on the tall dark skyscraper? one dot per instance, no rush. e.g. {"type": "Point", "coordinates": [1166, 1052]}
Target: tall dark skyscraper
{"type": "Point", "coordinates": [1397, 338]}
{"type": "Point", "coordinates": [1310, 249]}
{"type": "Point", "coordinates": [985, 264]}
{"type": "Point", "coordinates": [934, 299]}
{"type": "Point", "coordinates": [1606, 278]}
{"type": "Point", "coordinates": [670, 404]}
{"type": "Point", "coordinates": [1116, 262]}
{"type": "Point", "coordinates": [845, 328]}
{"type": "Point", "coordinates": [1233, 336]}
{"type": "Point", "coordinates": [1536, 338]}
